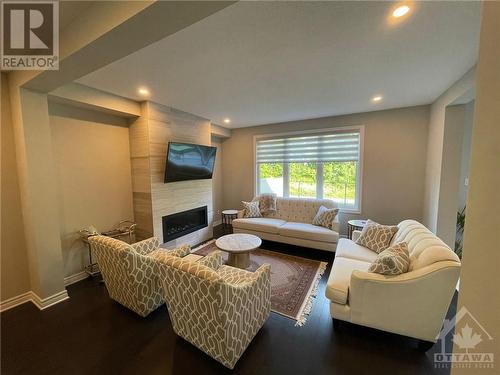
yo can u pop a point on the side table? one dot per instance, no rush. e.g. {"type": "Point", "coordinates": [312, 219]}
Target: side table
{"type": "Point", "coordinates": [227, 218]}
{"type": "Point", "coordinates": [353, 225]}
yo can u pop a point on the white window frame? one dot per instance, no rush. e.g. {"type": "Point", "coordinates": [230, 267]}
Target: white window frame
{"type": "Point", "coordinates": [359, 170]}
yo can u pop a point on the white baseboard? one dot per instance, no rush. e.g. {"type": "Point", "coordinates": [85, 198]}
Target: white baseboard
{"type": "Point", "coordinates": [42, 304]}
{"type": "Point", "coordinates": [15, 301]}
{"type": "Point", "coordinates": [35, 299]}
{"type": "Point", "coordinates": [75, 278]}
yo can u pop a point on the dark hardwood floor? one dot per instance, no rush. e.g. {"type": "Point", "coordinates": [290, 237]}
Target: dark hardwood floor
{"type": "Point", "coordinates": [91, 334]}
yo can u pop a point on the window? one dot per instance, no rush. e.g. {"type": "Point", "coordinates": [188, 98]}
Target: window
{"type": "Point", "coordinates": [312, 165]}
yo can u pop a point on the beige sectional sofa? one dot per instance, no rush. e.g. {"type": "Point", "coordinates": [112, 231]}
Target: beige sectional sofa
{"type": "Point", "coordinates": [292, 224]}
{"type": "Point", "coordinates": [413, 304]}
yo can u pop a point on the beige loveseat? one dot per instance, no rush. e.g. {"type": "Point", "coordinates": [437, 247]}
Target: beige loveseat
{"type": "Point", "coordinates": [412, 304]}
{"type": "Point", "coordinates": [292, 224]}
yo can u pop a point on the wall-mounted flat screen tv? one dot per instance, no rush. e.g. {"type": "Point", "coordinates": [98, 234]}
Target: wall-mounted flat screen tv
{"type": "Point", "coordinates": [189, 162]}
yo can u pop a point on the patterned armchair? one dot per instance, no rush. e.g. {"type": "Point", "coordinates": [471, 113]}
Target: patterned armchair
{"type": "Point", "coordinates": [217, 308]}
{"type": "Point", "coordinates": [129, 272]}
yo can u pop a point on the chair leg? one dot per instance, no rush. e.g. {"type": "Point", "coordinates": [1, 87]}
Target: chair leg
{"type": "Point", "coordinates": [424, 345]}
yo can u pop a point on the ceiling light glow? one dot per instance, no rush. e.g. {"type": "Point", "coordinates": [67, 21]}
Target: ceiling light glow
{"type": "Point", "coordinates": [401, 11]}
{"type": "Point", "coordinates": [143, 91]}
{"type": "Point", "coordinates": [377, 98]}
{"type": "Point", "coordinates": [227, 120]}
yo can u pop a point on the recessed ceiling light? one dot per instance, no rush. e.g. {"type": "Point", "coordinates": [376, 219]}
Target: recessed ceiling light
{"type": "Point", "coordinates": [143, 91]}
{"type": "Point", "coordinates": [227, 120]}
{"type": "Point", "coordinates": [401, 11]}
{"type": "Point", "coordinates": [377, 98]}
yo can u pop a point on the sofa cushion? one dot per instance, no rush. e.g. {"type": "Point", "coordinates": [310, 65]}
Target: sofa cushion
{"type": "Point", "coordinates": [259, 224]}
{"type": "Point", "coordinates": [308, 232]}
{"type": "Point", "coordinates": [349, 249]}
{"type": "Point", "coordinates": [337, 287]}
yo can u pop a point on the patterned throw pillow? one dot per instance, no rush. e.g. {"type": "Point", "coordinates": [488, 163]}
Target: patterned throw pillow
{"type": "Point", "coordinates": [251, 209]}
{"type": "Point", "coordinates": [181, 252]}
{"type": "Point", "coordinates": [212, 260]}
{"type": "Point", "coordinates": [325, 217]}
{"type": "Point", "coordinates": [392, 261]}
{"type": "Point", "coordinates": [267, 203]}
{"type": "Point", "coordinates": [376, 237]}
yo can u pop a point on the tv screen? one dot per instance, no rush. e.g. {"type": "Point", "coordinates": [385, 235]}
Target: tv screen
{"type": "Point", "coordinates": [189, 162]}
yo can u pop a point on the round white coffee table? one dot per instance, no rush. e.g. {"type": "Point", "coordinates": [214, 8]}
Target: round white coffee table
{"type": "Point", "coordinates": [239, 246]}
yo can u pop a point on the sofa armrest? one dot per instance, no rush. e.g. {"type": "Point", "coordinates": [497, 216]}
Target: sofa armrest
{"type": "Point", "coordinates": [355, 235]}
{"type": "Point", "coordinates": [146, 246]}
{"type": "Point", "coordinates": [241, 214]}
{"type": "Point", "coordinates": [412, 304]}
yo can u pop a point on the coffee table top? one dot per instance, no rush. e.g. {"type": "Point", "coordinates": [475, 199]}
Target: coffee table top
{"type": "Point", "coordinates": [238, 243]}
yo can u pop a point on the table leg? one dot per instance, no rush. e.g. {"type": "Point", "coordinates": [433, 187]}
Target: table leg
{"type": "Point", "coordinates": [241, 260]}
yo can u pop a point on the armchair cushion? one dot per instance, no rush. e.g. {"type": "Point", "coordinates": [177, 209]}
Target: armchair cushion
{"type": "Point", "coordinates": [146, 246]}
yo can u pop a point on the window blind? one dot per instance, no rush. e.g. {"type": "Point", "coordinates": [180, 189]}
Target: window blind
{"type": "Point", "coordinates": [341, 146]}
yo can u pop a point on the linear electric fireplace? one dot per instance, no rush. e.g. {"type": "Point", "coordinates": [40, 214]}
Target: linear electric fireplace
{"type": "Point", "coordinates": [182, 223]}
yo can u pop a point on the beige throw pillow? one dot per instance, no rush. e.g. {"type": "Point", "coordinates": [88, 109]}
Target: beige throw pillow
{"type": "Point", "coordinates": [251, 209]}
{"type": "Point", "coordinates": [392, 261]}
{"type": "Point", "coordinates": [325, 217]}
{"type": "Point", "coordinates": [376, 237]}
{"type": "Point", "coordinates": [267, 203]}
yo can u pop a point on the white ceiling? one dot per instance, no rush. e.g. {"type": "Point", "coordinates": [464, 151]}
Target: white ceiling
{"type": "Point", "coordinates": [265, 62]}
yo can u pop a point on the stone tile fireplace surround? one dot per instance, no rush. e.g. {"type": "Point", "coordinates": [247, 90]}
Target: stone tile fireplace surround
{"type": "Point", "coordinates": [152, 198]}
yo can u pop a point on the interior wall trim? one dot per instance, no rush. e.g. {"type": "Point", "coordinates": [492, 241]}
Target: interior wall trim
{"type": "Point", "coordinates": [15, 301]}
{"type": "Point", "coordinates": [44, 303]}
{"type": "Point", "coordinates": [41, 303]}
{"type": "Point", "coordinates": [71, 279]}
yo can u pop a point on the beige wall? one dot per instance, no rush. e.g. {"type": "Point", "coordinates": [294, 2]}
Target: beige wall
{"type": "Point", "coordinates": [466, 150]}
{"type": "Point", "coordinates": [480, 278]}
{"type": "Point", "coordinates": [92, 158]}
{"type": "Point", "coordinates": [394, 161]}
{"type": "Point", "coordinates": [15, 277]}
{"type": "Point", "coordinates": [435, 148]}
{"type": "Point", "coordinates": [454, 125]}
{"type": "Point", "coordinates": [217, 182]}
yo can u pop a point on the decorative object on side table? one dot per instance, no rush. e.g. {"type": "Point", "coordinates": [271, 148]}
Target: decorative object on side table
{"type": "Point", "coordinates": [125, 228]}
{"type": "Point", "coordinates": [238, 246]}
{"type": "Point", "coordinates": [353, 225]}
{"type": "Point", "coordinates": [227, 218]}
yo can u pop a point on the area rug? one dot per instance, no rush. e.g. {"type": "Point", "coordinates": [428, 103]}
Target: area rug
{"type": "Point", "coordinates": [294, 280]}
